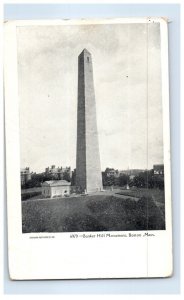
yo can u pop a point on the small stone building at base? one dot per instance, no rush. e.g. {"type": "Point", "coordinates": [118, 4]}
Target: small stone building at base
{"type": "Point", "coordinates": [56, 188]}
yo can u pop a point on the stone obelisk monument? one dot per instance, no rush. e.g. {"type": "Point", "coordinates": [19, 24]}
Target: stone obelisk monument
{"type": "Point", "coordinates": [88, 170]}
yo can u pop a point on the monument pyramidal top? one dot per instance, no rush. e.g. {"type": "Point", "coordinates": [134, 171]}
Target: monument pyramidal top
{"type": "Point", "coordinates": [84, 51]}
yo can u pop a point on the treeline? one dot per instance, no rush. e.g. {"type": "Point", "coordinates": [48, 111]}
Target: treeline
{"type": "Point", "coordinates": [145, 179]}
{"type": "Point", "coordinates": [122, 180]}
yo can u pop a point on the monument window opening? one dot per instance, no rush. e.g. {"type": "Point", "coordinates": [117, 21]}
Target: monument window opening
{"type": "Point", "coordinates": [87, 59]}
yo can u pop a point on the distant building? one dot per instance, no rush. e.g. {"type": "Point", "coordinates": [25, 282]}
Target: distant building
{"type": "Point", "coordinates": [55, 188]}
{"type": "Point", "coordinates": [52, 170]}
{"type": "Point", "coordinates": [25, 175]}
{"type": "Point", "coordinates": [131, 172]}
{"type": "Point", "coordinates": [110, 172]}
{"type": "Point", "coordinates": [59, 172]}
{"type": "Point", "coordinates": [158, 169]}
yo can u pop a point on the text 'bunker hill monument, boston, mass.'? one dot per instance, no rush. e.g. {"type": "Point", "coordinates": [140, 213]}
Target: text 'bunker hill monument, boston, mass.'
{"type": "Point", "coordinates": [88, 170]}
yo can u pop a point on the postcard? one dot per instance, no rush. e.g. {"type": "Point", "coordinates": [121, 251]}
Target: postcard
{"type": "Point", "coordinates": [88, 148]}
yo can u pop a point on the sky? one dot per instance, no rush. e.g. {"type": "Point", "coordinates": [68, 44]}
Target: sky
{"type": "Point", "coordinates": [127, 81]}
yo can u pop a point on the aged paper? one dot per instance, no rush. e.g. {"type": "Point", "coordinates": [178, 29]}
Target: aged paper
{"type": "Point", "coordinates": [88, 148]}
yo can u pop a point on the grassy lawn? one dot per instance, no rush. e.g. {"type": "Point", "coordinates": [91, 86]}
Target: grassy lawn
{"type": "Point", "coordinates": [156, 194]}
{"type": "Point", "coordinates": [31, 190]}
{"type": "Point", "coordinates": [91, 213]}
{"type": "Point", "coordinates": [31, 193]}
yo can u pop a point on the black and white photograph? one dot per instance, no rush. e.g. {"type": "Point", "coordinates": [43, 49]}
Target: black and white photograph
{"type": "Point", "coordinates": [91, 127]}
{"type": "Point", "coordinates": [88, 148]}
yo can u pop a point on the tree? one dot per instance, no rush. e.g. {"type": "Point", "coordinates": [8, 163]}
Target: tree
{"type": "Point", "coordinates": [144, 179]}
{"type": "Point", "coordinates": [107, 180]}
{"type": "Point", "coordinates": [66, 176]}
{"type": "Point", "coordinates": [123, 179]}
